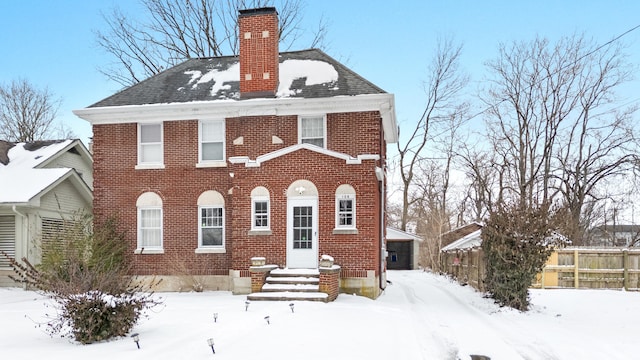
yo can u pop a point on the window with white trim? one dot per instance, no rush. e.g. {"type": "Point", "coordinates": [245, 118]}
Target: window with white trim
{"type": "Point", "coordinates": [150, 146]}
{"type": "Point", "coordinates": [260, 209]}
{"type": "Point", "coordinates": [211, 221]}
{"type": "Point", "coordinates": [345, 207]}
{"type": "Point", "coordinates": [313, 130]}
{"type": "Point", "coordinates": [211, 141]}
{"type": "Point", "coordinates": [149, 207]}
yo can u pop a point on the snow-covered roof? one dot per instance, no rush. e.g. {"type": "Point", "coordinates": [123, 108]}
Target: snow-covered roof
{"type": "Point", "coordinates": [397, 234]}
{"type": "Point", "coordinates": [474, 239]}
{"type": "Point", "coordinates": [22, 176]}
{"type": "Point", "coordinates": [302, 74]}
{"type": "Point", "coordinates": [466, 242]}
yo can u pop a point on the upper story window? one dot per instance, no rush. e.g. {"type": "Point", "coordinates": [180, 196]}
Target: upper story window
{"type": "Point", "coordinates": [345, 208]}
{"type": "Point", "coordinates": [150, 146]}
{"type": "Point", "coordinates": [211, 222]}
{"type": "Point", "coordinates": [313, 130]}
{"type": "Point", "coordinates": [260, 209]}
{"type": "Point", "coordinates": [211, 147]}
{"type": "Point", "coordinates": [149, 207]}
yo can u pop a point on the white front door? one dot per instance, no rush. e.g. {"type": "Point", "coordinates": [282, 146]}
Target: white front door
{"type": "Point", "coordinates": [302, 233]}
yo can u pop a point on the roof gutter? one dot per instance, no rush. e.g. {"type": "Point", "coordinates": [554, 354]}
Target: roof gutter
{"type": "Point", "coordinates": [13, 208]}
{"type": "Point", "coordinates": [150, 113]}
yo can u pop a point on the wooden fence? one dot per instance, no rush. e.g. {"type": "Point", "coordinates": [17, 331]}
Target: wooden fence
{"type": "Point", "coordinates": [572, 267]}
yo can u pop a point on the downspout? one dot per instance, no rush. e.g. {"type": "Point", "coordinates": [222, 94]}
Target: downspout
{"type": "Point", "coordinates": [381, 176]}
{"type": "Point", "coordinates": [383, 247]}
{"type": "Point", "coordinates": [17, 212]}
{"type": "Point", "coordinates": [24, 250]}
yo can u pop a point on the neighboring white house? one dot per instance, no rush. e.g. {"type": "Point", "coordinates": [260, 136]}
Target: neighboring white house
{"type": "Point", "coordinates": [615, 235]}
{"type": "Point", "coordinates": [403, 250]}
{"type": "Point", "coordinates": [41, 183]}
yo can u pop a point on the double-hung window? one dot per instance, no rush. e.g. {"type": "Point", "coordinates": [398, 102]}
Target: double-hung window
{"type": "Point", "coordinates": [149, 207]}
{"type": "Point", "coordinates": [345, 210]}
{"type": "Point", "coordinates": [211, 143]}
{"type": "Point", "coordinates": [260, 214]}
{"type": "Point", "coordinates": [211, 226]}
{"type": "Point", "coordinates": [211, 223]}
{"type": "Point", "coordinates": [313, 130]}
{"type": "Point", "coordinates": [260, 211]}
{"type": "Point", "coordinates": [150, 146]}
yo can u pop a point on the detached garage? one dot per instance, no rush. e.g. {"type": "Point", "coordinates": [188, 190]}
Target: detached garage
{"type": "Point", "coordinates": [403, 250]}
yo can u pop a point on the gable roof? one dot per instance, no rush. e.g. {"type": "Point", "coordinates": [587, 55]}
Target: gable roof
{"type": "Point", "coordinates": [23, 175]}
{"type": "Point", "coordinates": [293, 148]}
{"type": "Point", "coordinates": [303, 74]}
{"type": "Point", "coordinates": [461, 232]}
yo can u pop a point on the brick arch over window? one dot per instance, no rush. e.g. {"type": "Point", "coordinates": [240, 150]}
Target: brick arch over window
{"type": "Point", "coordinates": [211, 197]}
{"type": "Point", "coordinates": [302, 188]}
{"type": "Point", "coordinates": [211, 222]}
{"type": "Point", "coordinates": [149, 199]}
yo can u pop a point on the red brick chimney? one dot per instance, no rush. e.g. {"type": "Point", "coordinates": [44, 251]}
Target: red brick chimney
{"type": "Point", "coordinates": [259, 37]}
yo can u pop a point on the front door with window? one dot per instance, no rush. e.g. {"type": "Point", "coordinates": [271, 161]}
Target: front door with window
{"type": "Point", "coordinates": [302, 233]}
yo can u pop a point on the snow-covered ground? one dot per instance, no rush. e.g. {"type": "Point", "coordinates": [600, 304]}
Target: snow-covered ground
{"type": "Point", "coordinates": [420, 316]}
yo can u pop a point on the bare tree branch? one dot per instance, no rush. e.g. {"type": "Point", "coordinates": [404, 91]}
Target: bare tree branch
{"type": "Point", "coordinates": [176, 30]}
{"type": "Point", "coordinates": [26, 113]}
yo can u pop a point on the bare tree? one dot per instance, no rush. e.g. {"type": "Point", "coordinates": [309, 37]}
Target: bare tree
{"type": "Point", "coordinates": [177, 30]}
{"type": "Point", "coordinates": [26, 112]}
{"type": "Point", "coordinates": [442, 108]}
{"type": "Point", "coordinates": [554, 124]}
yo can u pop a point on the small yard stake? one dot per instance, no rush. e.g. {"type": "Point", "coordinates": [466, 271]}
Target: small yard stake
{"type": "Point", "coordinates": [210, 342]}
{"type": "Point", "coordinates": [136, 339]}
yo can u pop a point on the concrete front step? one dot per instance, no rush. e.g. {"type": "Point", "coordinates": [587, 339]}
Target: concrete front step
{"type": "Point", "coordinates": [288, 296]}
{"type": "Point", "coordinates": [270, 287]}
{"type": "Point", "coordinates": [292, 280]}
{"type": "Point", "coordinates": [294, 273]}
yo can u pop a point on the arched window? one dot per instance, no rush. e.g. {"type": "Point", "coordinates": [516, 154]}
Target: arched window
{"type": "Point", "coordinates": [345, 207]}
{"type": "Point", "coordinates": [211, 221]}
{"type": "Point", "coordinates": [149, 207]}
{"type": "Point", "coordinates": [260, 209]}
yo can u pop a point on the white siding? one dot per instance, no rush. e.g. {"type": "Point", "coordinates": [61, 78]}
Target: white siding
{"type": "Point", "coordinates": [64, 198]}
{"type": "Point", "coordinates": [7, 238]}
{"type": "Point", "coordinates": [70, 159]}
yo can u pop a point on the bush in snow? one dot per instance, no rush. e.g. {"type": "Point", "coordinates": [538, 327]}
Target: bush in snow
{"type": "Point", "coordinates": [85, 269]}
{"type": "Point", "coordinates": [516, 244]}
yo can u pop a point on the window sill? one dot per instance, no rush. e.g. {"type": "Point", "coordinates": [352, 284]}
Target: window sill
{"type": "Point", "coordinates": [148, 251]}
{"type": "Point", "coordinates": [212, 164]}
{"type": "Point", "coordinates": [259, 232]}
{"type": "Point", "coordinates": [149, 166]}
{"type": "Point", "coordinates": [211, 251]}
{"type": "Point", "coordinates": [338, 231]}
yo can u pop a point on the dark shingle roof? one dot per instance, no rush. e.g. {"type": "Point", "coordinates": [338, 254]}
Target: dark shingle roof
{"type": "Point", "coordinates": [210, 79]}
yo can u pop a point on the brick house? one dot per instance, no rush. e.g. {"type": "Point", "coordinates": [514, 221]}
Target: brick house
{"type": "Point", "coordinates": [219, 160]}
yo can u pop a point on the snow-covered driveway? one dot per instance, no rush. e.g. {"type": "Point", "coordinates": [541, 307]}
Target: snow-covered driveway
{"type": "Point", "coordinates": [454, 322]}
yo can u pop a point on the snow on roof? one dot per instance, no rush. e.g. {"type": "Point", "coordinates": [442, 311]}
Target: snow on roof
{"type": "Point", "coordinates": [397, 234]}
{"type": "Point", "coordinates": [313, 72]}
{"type": "Point", "coordinates": [466, 242]}
{"type": "Point", "coordinates": [21, 178]}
